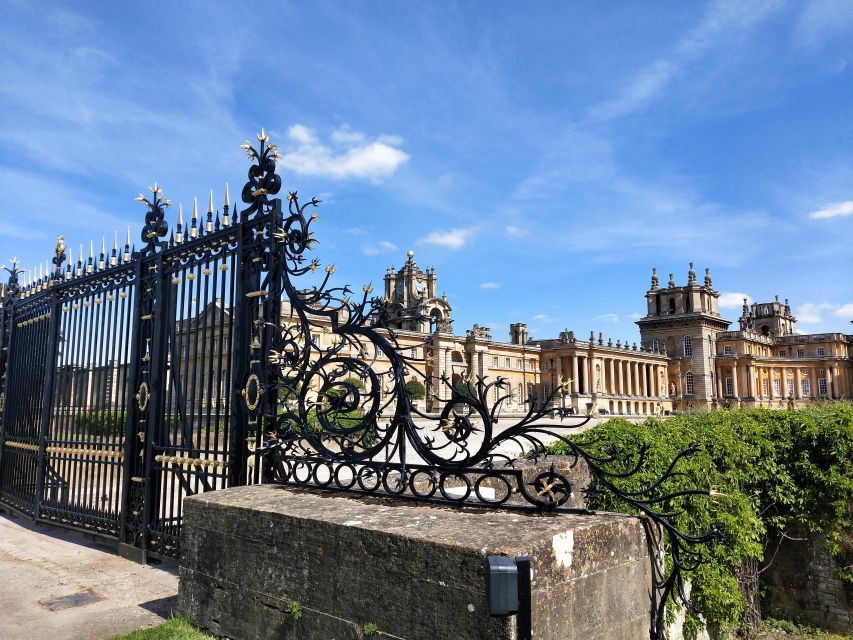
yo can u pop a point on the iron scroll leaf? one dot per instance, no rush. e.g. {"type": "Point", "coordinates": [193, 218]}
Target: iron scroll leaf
{"type": "Point", "coordinates": [344, 420]}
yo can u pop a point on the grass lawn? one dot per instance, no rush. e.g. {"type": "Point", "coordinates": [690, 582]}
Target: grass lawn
{"type": "Point", "coordinates": [177, 628]}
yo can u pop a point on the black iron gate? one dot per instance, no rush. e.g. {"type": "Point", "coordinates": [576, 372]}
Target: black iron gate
{"type": "Point", "coordinates": [129, 379]}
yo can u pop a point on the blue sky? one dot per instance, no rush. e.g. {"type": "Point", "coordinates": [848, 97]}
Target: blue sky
{"type": "Point", "coordinates": [544, 157]}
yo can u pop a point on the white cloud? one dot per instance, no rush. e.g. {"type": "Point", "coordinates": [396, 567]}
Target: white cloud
{"type": "Point", "coordinates": [350, 154]}
{"type": "Point", "coordinates": [607, 317]}
{"type": "Point", "coordinates": [452, 238]}
{"type": "Point", "coordinates": [355, 231]}
{"type": "Point", "coordinates": [833, 210]}
{"type": "Point", "coordinates": [844, 311]}
{"type": "Point", "coordinates": [383, 246]}
{"type": "Point", "coordinates": [812, 312]}
{"type": "Point", "coordinates": [733, 300]}
{"type": "Point", "coordinates": [490, 285]}
{"type": "Point", "coordinates": [635, 316]}
{"type": "Point", "coordinates": [722, 23]}
{"type": "Point", "coordinates": [541, 317]}
{"type": "Point", "coordinates": [515, 232]}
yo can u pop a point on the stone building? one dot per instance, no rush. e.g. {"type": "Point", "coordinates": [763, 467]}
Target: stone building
{"type": "Point", "coordinates": [765, 362]}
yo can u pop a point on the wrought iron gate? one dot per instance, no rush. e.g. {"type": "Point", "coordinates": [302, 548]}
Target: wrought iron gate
{"type": "Point", "coordinates": [130, 380]}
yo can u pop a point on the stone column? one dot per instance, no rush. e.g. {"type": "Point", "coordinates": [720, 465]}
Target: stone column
{"type": "Point", "coordinates": [643, 390]}
{"type": "Point", "coordinates": [629, 383]}
{"type": "Point", "coordinates": [575, 386]}
{"type": "Point", "coordinates": [556, 375]}
{"type": "Point", "coordinates": [611, 381]}
{"type": "Point", "coordinates": [750, 380]}
{"type": "Point", "coordinates": [720, 389]}
{"type": "Point", "coordinates": [798, 383]}
{"type": "Point", "coordinates": [734, 379]}
{"type": "Point", "coordinates": [620, 365]}
{"type": "Point", "coordinates": [832, 383]}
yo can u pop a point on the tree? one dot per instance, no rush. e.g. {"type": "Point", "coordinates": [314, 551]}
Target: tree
{"type": "Point", "coordinates": [415, 390]}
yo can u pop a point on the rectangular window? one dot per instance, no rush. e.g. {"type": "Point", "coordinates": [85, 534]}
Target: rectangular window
{"type": "Point", "coordinates": [790, 386]}
{"type": "Point", "coordinates": [546, 391]}
{"type": "Point", "coordinates": [507, 363]}
{"type": "Point", "coordinates": [821, 386]}
{"type": "Point", "coordinates": [413, 353]}
{"type": "Point", "coordinates": [821, 351]}
{"type": "Point", "coordinates": [518, 363]}
{"type": "Point", "coordinates": [727, 350]}
{"type": "Point", "coordinates": [547, 365]}
{"type": "Point", "coordinates": [807, 388]}
{"type": "Point", "coordinates": [777, 387]}
{"type": "Point", "coordinates": [781, 353]}
{"type": "Point", "coordinates": [730, 387]}
{"type": "Point", "coordinates": [801, 353]}
{"type": "Point", "coordinates": [494, 361]}
{"type": "Point", "coordinates": [764, 387]}
{"type": "Point", "coordinates": [315, 338]}
{"type": "Point", "coordinates": [688, 385]}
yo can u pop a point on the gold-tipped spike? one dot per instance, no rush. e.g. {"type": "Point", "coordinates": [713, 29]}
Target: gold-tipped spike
{"type": "Point", "coordinates": [91, 248]}
{"type": "Point", "coordinates": [330, 269]}
{"type": "Point", "coordinates": [262, 136]}
{"type": "Point", "coordinates": [80, 259]}
{"type": "Point", "coordinates": [180, 213]}
{"type": "Point", "coordinates": [103, 245]}
{"type": "Point", "coordinates": [115, 240]}
{"type": "Point", "coordinates": [368, 287]}
{"type": "Point", "coordinates": [227, 203]}
{"type": "Point", "coordinates": [210, 203]}
{"type": "Point", "coordinates": [194, 227]}
{"type": "Point", "coordinates": [127, 240]}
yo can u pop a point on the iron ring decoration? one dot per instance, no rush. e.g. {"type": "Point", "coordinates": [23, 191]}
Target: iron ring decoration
{"type": "Point", "coordinates": [252, 403]}
{"type": "Point", "coordinates": [142, 396]}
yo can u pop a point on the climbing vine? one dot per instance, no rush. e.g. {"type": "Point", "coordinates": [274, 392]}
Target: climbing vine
{"type": "Point", "coordinates": [768, 471]}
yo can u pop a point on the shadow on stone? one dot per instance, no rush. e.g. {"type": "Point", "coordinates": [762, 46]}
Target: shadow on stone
{"type": "Point", "coordinates": [163, 607]}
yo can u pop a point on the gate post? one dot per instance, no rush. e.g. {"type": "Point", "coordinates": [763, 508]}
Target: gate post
{"type": "Point", "coordinates": [246, 282]}
{"type": "Point", "coordinates": [47, 399]}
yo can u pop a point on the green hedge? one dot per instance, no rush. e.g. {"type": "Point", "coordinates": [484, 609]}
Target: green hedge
{"type": "Point", "coordinates": [775, 469]}
{"type": "Point", "coordinates": [101, 423]}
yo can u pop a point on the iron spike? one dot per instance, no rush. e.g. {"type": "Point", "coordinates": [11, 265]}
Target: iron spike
{"type": "Point", "coordinates": [227, 203]}
{"type": "Point", "coordinates": [208, 227]}
{"type": "Point", "coordinates": [194, 224]}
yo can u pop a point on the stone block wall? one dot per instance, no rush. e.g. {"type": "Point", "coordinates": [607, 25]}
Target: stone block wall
{"type": "Point", "coordinates": [801, 584]}
{"type": "Point", "coordinates": [253, 555]}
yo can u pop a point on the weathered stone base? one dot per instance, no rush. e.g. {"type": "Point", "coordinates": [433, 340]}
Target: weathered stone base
{"type": "Point", "coordinates": [801, 584]}
{"type": "Point", "coordinates": [253, 558]}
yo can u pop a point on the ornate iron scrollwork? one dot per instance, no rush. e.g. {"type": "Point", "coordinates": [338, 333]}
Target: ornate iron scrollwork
{"type": "Point", "coordinates": [155, 223]}
{"type": "Point", "coordinates": [343, 419]}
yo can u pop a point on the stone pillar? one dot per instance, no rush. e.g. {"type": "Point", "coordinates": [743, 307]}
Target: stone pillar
{"type": "Point", "coordinates": [575, 386]}
{"type": "Point", "coordinates": [620, 365]}
{"type": "Point", "coordinates": [612, 381]}
{"type": "Point", "coordinates": [832, 383]}
{"type": "Point", "coordinates": [798, 383]}
{"type": "Point", "coordinates": [643, 390]}
{"type": "Point", "coordinates": [750, 380]}
{"type": "Point", "coordinates": [720, 389]}
{"type": "Point", "coordinates": [557, 374]}
{"type": "Point", "coordinates": [734, 380]}
{"type": "Point", "coordinates": [629, 382]}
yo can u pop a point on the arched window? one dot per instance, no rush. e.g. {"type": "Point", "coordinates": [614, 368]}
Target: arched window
{"type": "Point", "coordinates": [688, 383]}
{"type": "Point", "coordinates": [688, 346]}
{"type": "Point", "coordinates": [672, 305]}
{"type": "Point", "coordinates": [655, 345]}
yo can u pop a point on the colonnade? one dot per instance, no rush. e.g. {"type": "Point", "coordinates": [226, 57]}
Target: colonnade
{"type": "Point", "coordinates": [614, 376]}
{"type": "Point", "coordinates": [752, 379]}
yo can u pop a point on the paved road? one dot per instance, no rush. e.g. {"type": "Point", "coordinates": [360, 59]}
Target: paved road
{"type": "Point", "coordinates": [54, 585]}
